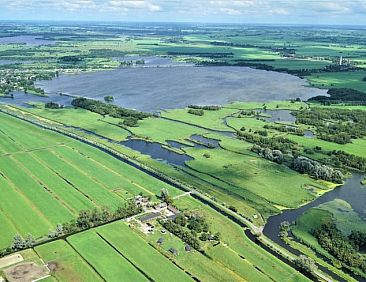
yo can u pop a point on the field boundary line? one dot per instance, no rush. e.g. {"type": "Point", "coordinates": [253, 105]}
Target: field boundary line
{"type": "Point", "coordinates": [86, 261]}
{"type": "Point", "coordinates": [125, 257]}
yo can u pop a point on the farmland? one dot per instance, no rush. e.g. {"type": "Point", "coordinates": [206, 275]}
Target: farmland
{"type": "Point", "coordinates": [90, 191]}
{"type": "Point", "coordinates": [41, 168]}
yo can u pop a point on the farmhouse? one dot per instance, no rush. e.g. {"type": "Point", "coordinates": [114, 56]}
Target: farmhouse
{"type": "Point", "coordinates": [149, 217]}
{"type": "Point", "coordinates": [160, 206]}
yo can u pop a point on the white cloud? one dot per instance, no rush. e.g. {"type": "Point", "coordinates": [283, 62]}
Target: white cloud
{"type": "Point", "coordinates": [278, 10]}
{"type": "Point", "coordinates": [132, 4]}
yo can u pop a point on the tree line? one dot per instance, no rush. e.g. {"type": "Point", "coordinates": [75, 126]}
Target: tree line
{"type": "Point", "coordinates": [107, 109]}
{"type": "Point", "coordinates": [339, 95]}
{"type": "Point", "coordinates": [343, 248]}
{"type": "Point", "coordinates": [86, 219]}
{"type": "Point", "coordinates": [207, 108]}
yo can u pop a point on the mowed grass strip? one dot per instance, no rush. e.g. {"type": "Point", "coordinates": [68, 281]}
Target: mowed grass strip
{"type": "Point", "coordinates": [17, 210]}
{"type": "Point", "coordinates": [98, 194]}
{"type": "Point", "coordinates": [103, 176]}
{"type": "Point", "coordinates": [27, 135]}
{"type": "Point", "coordinates": [139, 179]}
{"type": "Point", "coordinates": [48, 208]}
{"type": "Point", "coordinates": [61, 189]}
{"type": "Point", "coordinates": [66, 264]}
{"type": "Point", "coordinates": [7, 145]}
{"type": "Point", "coordinates": [238, 264]}
{"type": "Point", "coordinates": [140, 253]}
{"type": "Point", "coordinates": [104, 259]}
{"type": "Point", "coordinates": [8, 230]}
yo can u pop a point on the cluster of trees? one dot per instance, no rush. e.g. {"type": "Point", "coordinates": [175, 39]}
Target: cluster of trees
{"type": "Point", "coordinates": [358, 238]}
{"type": "Point", "coordinates": [52, 105]}
{"type": "Point", "coordinates": [57, 232]}
{"type": "Point", "coordinates": [186, 235]}
{"type": "Point", "coordinates": [269, 154]}
{"type": "Point", "coordinates": [88, 219]}
{"type": "Point", "coordinates": [207, 108]}
{"type": "Point", "coordinates": [275, 143]}
{"type": "Point", "coordinates": [246, 113]}
{"type": "Point", "coordinates": [191, 228]}
{"type": "Point", "coordinates": [107, 109]}
{"type": "Point", "coordinates": [284, 128]}
{"type": "Point", "coordinates": [129, 122]}
{"type": "Point", "coordinates": [339, 95]}
{"type": "Point", "coordinates": [317, 170]}
{"type": "Point", "coordinates": [166, 197]}
{"type": "Point", "coordinates": [197, 112]}
{"type": "Point", "coordinates": [71, 59]}
{"type": "Point", "coordinates": [335, 125]}
{"type": "Point", "coordinates": [131, 63]}
{"type": "Point", "coordinates": [109, 98]}
{"type": "Point", "coordinates": [306, 263]}
{"type": "Point", "coordinates": [338, 245]}
{"type": "Point", "coordinates": [342, 159]}
{"type": "Point", "coordinates": [20, 244]}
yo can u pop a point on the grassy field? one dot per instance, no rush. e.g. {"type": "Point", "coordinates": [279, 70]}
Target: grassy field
{"type": "Point", "coordinates": [237, 252]}
{"type": "Point", "coordinates": [106, 260]}
{"type": "Point", "coordinates": [142, 255]}
{"type": "Point", "coordinates": [65, 262]}
{"type": "Point", "coordinates": [50, 178]}
{"type": "Point", "coordinates": [352, 80]}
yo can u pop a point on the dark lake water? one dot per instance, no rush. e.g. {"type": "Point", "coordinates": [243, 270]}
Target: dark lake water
{"type": "Point", "coordinates": [151, 89]}
{"type": "Point", "coordinates": [25, 39]}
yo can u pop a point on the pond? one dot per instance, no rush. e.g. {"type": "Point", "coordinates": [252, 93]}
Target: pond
{"type": "Point", "coordinates": [152, 89]}
{"type": "Point", "coordinates": [309, 134]}
{"type": "Point", "coordinates": [205, 142]}
{"type": "Point", "coordinates": [279, 116]}
{"type": "Point", "coordinates": [157, 151]}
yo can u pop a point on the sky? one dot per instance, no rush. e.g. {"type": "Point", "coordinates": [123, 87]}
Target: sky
{"type": "Point", "coordinates": [332, 12]}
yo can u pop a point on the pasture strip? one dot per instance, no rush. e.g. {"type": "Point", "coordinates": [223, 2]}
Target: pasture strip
{"type": "Point", "coordinates": [132, 190]}
{"type": "Point", "coordinates": [20, 191]}
{"type": "Point", "coordinates": [79, 193]}
{"type": "Point", "coordinates": [104, 259]}
{"type": "Point", "coordinates": [65, 262]}
{"type": "Point", "coordinates": [8, 230]}
{"type": "Point", "coordinates": [24, 217]}
{"type": "Point", "coordinates": [99, 195]}
{"type": "Point", "coordinates": [37, 197]}
{"type": "Point", "coordinates": [63, 191]}
{"type": "Point", "coordinates": [81, 166]}
{"type": "Point", "coordinates": [126, 258]}
{"type": "Point", "coordinates": [52, 193]}
{"type": "Point", "coordinates": [140, 253]}
{"type": "Point", "coordinates": [129, 172]}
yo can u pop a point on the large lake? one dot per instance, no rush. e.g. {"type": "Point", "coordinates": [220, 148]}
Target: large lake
{"type": "Point", "coordinates": [25, 39]}
{"type": "Point", "coordinates": [155, 88]}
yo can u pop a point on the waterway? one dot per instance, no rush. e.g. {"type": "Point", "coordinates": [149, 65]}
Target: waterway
{"type": "Point", "coordinates": [154, 88]}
